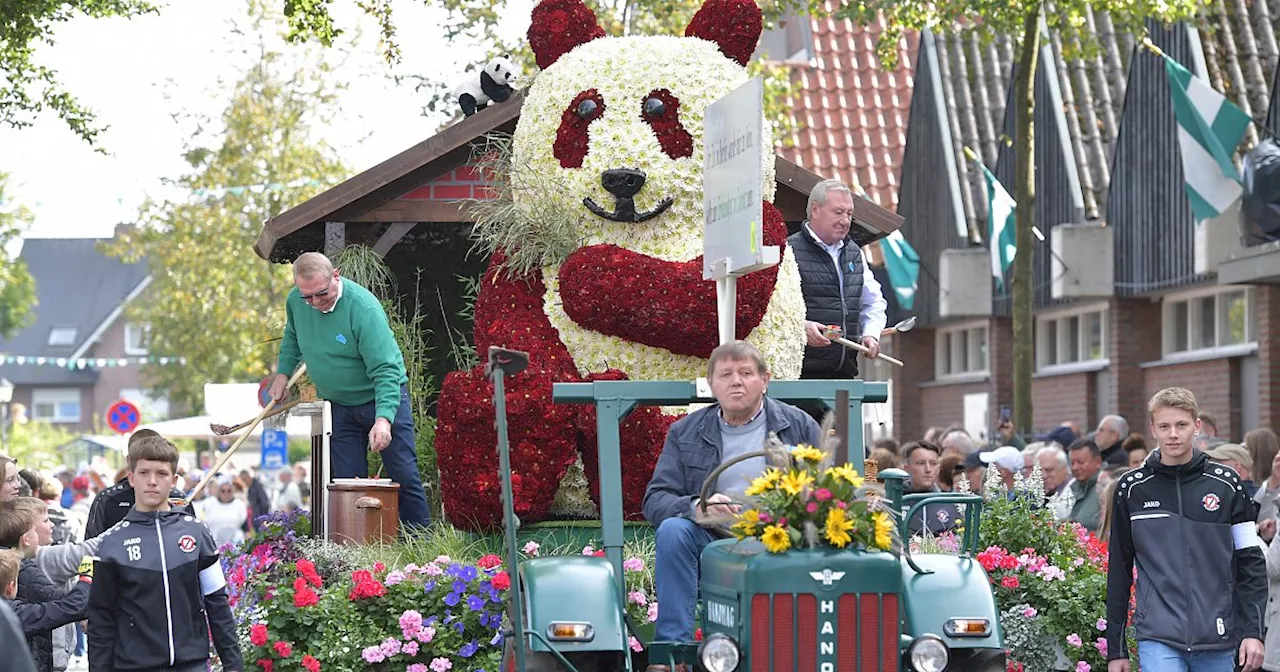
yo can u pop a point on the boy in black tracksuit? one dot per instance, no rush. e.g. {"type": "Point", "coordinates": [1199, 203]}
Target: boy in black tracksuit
{"type": "Point", "coordinates": [160, 590]}
{"type": "Point", "coordinates": [1202, 578]}
{"type": "Point", "coordinates": [111, 505]}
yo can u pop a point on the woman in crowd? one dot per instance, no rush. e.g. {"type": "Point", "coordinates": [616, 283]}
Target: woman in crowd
{"type": "Point", "coordinates": [224, 514]}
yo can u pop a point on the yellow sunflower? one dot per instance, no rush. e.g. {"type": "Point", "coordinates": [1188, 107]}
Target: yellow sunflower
{"type": "Point", "coordinates": [847, 474]}
{"type": "Point", "coordinates": [884, 530]}
{"type": "Point", "coordinates": [775, 539]}
{"type": "Point", "coordinates": [763, 483]}
{"type": "Point", "coordinates": [806, 453]}
{"type": "Point", "coordinates": [795, 481]}
{"type": "Point", "coordinates": [838, 527]}
{"type": "Point", "coordinates": [747, 522]}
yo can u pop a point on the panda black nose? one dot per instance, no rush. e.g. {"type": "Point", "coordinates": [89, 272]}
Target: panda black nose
{"type": "Point", "coordinates": [622, 182]}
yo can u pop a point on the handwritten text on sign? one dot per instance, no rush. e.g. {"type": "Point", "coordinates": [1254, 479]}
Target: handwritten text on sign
{"type": "Point", "coordinates": [733, 231]}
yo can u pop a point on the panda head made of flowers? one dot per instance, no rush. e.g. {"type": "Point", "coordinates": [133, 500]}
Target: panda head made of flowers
{"type": "Point", "coordinates": [618, 122]}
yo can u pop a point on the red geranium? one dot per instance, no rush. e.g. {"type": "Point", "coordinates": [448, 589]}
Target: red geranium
{"type": "Point", "coordinates": [735, 25]}
{"type": "Point", "coordinates": [501, 581]}
{"type": "Point", "coordinates": [558, 26]}
{"type": "Point", "coordinates": [308, 571]}
{"type": "Point", "coordinates": [365, 586]}
{"type": "Point", "coordinates": [310, 664]}
{"type": "Point", "coordinates": [489, 561]}
{"type": "Point", "coordinates": [258, 634]}
{"type": "Point", "coordinates": [266, 664]}
{"type": "Point", "coordinates": [303, 596]}
{"type": "Point", "coordinates": [285, 649]}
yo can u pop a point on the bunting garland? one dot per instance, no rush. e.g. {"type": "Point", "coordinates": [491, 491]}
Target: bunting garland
{"type": "Point", "coordinates": [88, 362]}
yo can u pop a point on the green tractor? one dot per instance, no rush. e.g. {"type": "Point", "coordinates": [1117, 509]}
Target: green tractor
{"type": "Point", "coordinates": [818, 610]}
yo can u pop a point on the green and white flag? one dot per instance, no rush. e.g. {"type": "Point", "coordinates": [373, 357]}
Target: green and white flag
{"type": "Point", "coordinates": [903, 266]}
{"type": "Point", "coordinates": [1001, 233]}
{"type": "Point", "coordinates": [1209, 128]}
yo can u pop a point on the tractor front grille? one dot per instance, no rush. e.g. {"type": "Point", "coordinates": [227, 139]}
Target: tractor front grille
{"type": "Point", "coordinates": [857, 632]}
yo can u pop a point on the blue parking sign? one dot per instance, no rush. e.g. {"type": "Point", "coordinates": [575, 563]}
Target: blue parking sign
{"type": "Point", "coordinates": [275, 448]}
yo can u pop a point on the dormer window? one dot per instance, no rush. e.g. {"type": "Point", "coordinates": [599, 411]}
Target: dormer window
{"type": "Point", "coordinates": [62, 337]}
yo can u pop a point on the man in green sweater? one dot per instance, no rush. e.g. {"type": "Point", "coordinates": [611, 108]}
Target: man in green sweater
{"type": "Point", "coordinates": [341, 331]}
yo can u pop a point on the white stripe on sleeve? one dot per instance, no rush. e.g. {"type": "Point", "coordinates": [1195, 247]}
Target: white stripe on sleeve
{"type": "Point", "coordinates": [212, 579]}
{"type": "Point", "coordinates": [1245, 535]}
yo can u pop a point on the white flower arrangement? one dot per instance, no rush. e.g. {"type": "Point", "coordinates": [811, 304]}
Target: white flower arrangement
{"type": "Point", "coordinates": [624, 70]}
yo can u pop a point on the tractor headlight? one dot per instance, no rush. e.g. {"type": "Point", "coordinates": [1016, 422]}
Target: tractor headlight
{"type": "Point", "coordinates": [928, 654]}
{"type": "Point", "coordinates": [570, 632]}
{"type": "Point", "coordinates": [719, 653]}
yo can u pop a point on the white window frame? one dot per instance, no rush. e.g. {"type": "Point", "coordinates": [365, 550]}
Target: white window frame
{"type": "Point", "coordinates": [1059, 318]}
{"type": "Point", "coordinates": [132, 348]}
{"type": "Point", "coordinates": [945, 350]}
{"type": "Point", "coordinates": [56, 396]}
{"type": "Point", "coordinates": [1198, 350]}
{"type": "Point", "coordinates": [70, 341]}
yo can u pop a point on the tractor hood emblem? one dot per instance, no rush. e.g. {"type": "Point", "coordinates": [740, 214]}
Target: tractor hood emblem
{"type": "Point", "coordinates": [827, 577]}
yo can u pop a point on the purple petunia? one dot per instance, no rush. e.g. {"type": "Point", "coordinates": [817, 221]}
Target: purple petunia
{"type": "Point", "coordinates": [468, 649]}
{"type": "Point", "coordinates": [468, 573]}
{"type": "Point", "coordinates": [459, 586]}
{"type": "Point", "coordinates": [452, 598]}
{"type": "Point", "coordinates": [475, 603]}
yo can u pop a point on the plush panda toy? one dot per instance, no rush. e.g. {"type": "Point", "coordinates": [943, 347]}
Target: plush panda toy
{"type": "Point", "coordinates": [492, 85]}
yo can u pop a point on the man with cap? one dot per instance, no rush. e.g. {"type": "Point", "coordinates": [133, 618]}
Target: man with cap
{"type": "Point", "coordinates": [1008, 460]}
{"type": "Point", "coordinates": [1061, 435]}
{"type": "Point", "coordinates": [1086, 462]}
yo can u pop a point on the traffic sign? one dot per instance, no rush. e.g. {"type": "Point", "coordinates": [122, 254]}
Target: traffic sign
{"type": "Point", "coordinates": [123, 417]}
{"type": "Point", "coordinates": [275, 448]}
{"type": "Point", "coordinates": [264, 392]}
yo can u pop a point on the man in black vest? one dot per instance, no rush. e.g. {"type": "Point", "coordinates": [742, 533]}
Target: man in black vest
{"type": "Point", "coordinates": [838, 287]}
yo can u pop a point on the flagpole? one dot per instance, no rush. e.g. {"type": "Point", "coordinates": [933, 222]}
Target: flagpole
{"type": "Point", "coordinates": [1151, 46]}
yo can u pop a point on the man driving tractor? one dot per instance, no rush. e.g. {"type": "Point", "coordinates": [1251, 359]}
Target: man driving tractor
{"type": "Point", "coordinates": [738, 423]}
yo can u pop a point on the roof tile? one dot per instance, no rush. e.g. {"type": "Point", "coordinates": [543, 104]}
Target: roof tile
{"type": "Point", "coordinates": [853, 115]}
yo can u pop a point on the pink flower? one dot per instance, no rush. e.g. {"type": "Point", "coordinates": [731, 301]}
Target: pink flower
{"type": "Point", "coordinates": [588, 550]}
{"type": "Point", "coordinates": [765, 518]}
{"type": "Point", "coordinates": [443, 559]}
{"type": "Point", "coordinates": [409, 648]}
{"type": "Point", "coordinates": [822, 494]}
{"type": "Point", "coordinates": [285, 649]}
{"type": "Point", "coordinates": [410, 621]}
{"type": "Point", "coordinates": [637, 597]}
{"type": "Point", "coordinates": [391, 647]}
{"type": "Point", "coordinates": [633, 565]}
{"type": "Point", "coordinates": [811, 507]}
{"type": "Point", "coordinates": [424, 635]}
{"type": "Point", "coordinates": [441, 664]}
{"type": "Point", "coordinates": [635, 644]}
{"type": "Point", "coordinates": [372, 654]}
{"type": "Point", "coordinates": [394, 577]}
{"type": "Point", "coordinates": [416, 667]}
{"type": "Point", "coordinates": [1074, 640]}
{"type": "Point", "coordinates": [432, 569]}
{"type": "Point", "coordinates": [653, 611]}
{"type": "Point", "coordinates": [531, 548]}
{"type": "Point", "coordinates": [411, 568]}
{"type": "Point", "coordinates": [1009, 582]}
{"type": "Point", "coordinates": [1029, 612]}
{"type": "Point", "coordinates": [1102, 625]}
{"type": "Point", "coordinates": [1083, 667]}
{"type": "Point", "coordinates": [841, 505]}
{"type": "Point", "coordinates": [1101, 645]}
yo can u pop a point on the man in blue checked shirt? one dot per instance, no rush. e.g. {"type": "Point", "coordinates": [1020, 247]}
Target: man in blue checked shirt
{"type": "Point", "coordinates": [839, 289]}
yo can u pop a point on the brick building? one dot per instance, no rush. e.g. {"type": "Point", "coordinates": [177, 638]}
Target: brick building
{"type": "Point", "coordinates": [1130, 294]}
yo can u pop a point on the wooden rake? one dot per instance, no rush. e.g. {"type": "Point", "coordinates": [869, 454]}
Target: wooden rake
{"type": "Point", "coordinates": [268, 410]}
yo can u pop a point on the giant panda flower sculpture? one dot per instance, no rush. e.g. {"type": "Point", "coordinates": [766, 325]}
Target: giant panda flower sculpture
{"type": "Point", "coordinates": [616, 125]}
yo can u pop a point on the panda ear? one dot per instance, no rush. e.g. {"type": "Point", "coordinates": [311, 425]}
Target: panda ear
{"type": "Point", "coordinates": [734, 25]}
{"type": "Point", "coordinates": [575, 25]}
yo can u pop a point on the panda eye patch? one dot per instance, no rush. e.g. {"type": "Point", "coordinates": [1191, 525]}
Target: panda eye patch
{"type": "Point", "coordinates": [572, 141]}
{"type": "Point", "coordinates": [661, 110]}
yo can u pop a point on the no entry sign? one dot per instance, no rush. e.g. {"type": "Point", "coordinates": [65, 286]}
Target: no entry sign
{"type": "Point", "coordinates": [123, 417]}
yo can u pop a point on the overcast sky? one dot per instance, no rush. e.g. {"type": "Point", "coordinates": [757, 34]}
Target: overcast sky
{"type": "Point", "coordinates": [123, 69]}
